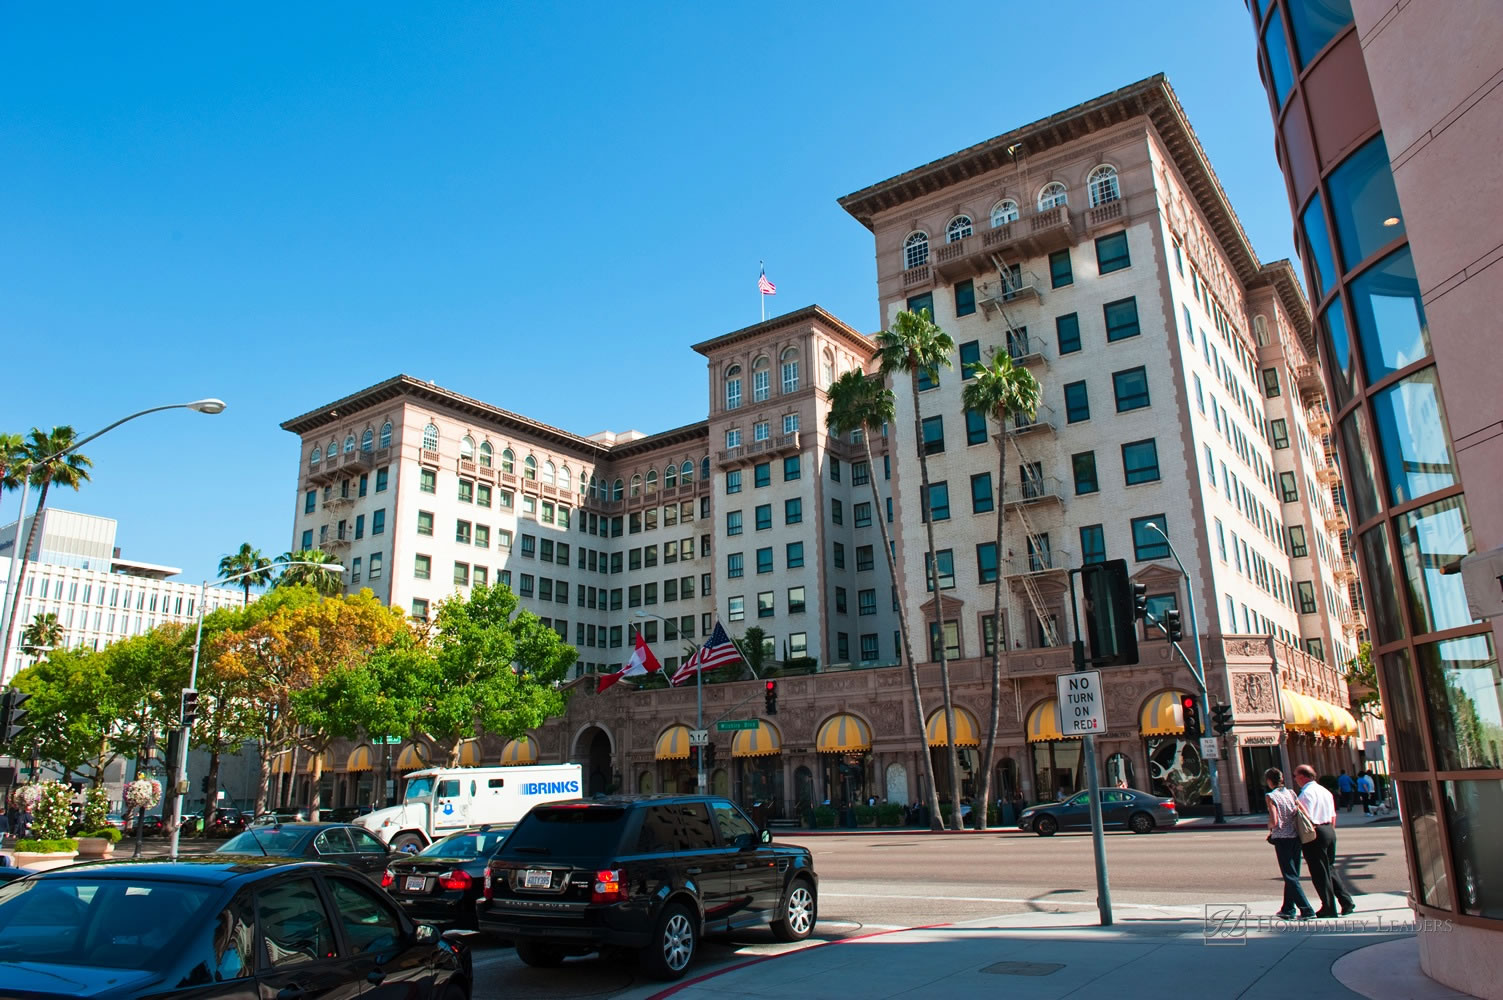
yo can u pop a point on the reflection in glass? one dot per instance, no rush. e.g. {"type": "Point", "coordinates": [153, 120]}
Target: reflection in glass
{"type": "Point", "coordinates": [1474, 812]}
{"type": "Point", "coordinates": [1401, 706]}
{"type": "Point", "coordinates": [1417, 806]}
{"type": "Point", "coordinates": [1176, 770]}
{"type": "Point", "coordinates": [1315, 23]}
{"type": "Point", "coordinates": [1056, 769]}
{"type": "Point", "coordinates": [1279, 66]}
{"type": "Point", "coordinates": [1364, 204]}
{"type": "Point", "coordinates": [1319, 240]}
{"type": "Point", "coordinates": [1464, 693]}
{"type": "Point", "coordinates": [1358, 461]}
{"type": "Point", "coordinates": [1390, 319]}
{"type": "Point", "coordinates": [1379, 583]}
{"type": "Point", "coordinates": [1431, 539]}
{"type": "Point", "coordinates": [1339, 346]}
{"type": "Point", "coordinates": [1415, 438]}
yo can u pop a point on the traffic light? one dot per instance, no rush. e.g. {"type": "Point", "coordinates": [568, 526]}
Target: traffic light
{"type": "Point", "coordinates": [1190, 709]}
{"type": "Point", "coordinates": [1139, 600]}
{"type": "Point", "coordinates": [709, 755]}
{"type": "Point", "coordinates": [772, 698]}
{"type": "Point", "coordinates": [188, 710]}
{"type": "Point", "coordinates": [1172, 625]}
{"type": "Point", "coordinates": [1109, 620]}
{"type": "Point", "coordinates": [1221, 719]}
{"type": "Point", "coordinates": [12, 715]}
{"type": "Point", "coordinates": [204, 784]}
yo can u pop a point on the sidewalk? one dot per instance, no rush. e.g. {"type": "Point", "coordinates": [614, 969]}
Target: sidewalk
{"type": "Point", "coordinates": [1222, 949]}
{"type": "Point", "coordinates": [1350, 819]}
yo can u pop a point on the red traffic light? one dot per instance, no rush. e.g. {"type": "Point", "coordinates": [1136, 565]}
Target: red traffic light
{"type": "Point", "coordinates": [772, 685]}
{"type": "Point", "coordinates": [1188, 703]}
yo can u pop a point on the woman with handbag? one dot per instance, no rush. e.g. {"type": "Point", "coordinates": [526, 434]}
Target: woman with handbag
{"type": "Point", "coordinates": [1284, 815]}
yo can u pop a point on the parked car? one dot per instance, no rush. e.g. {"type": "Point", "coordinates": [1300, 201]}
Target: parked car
{"type": "Point", "coordinates": [118, 930]}
{"type": "Point", "coordinates": [116, 820]}
{"type": "Point", "coordinates": [152, 826]}
{"type": "Point", "coordinates": [441, 883]}
{"type": "Point", "coordinates": [1138, 811]}
{"type": "Point", "coordinates": [650, 873]}
{"type": "Point", "coordinates": [228, 822]}
{"type": "Point", "coordinates": [9, 872]}
{"type": "Point", "coordinates": [284, 816]}
{"type": "Point", "coordinates": [337, 843]}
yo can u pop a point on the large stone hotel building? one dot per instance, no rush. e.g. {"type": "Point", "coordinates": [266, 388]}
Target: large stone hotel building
{"type": "Point", "coordinates": [1097, 247]}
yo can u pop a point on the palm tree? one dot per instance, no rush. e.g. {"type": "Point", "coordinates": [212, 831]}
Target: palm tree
{"type": "Point", "coordinates": [326, 581]}
{"type": "Point", "coordinates": [12, 462]}
{"type": "Point", "coordinates": [1000, 390]}
{"type": "Point", "coordinates": [45, 632]}
{"type": "Point", "coordinates": [45, 464]}
{"type": "Point", "coordinates": [255, 566]}
{"type": "Point", "coordinates": [859, 403]}
{"type": "Point", "coordinates": [914, 346]}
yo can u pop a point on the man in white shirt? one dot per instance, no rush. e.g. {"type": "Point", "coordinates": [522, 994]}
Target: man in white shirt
{"type": "Point", "coordinates": [1320, 854]}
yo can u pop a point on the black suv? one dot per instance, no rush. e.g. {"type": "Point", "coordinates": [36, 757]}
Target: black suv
{"type": "Point", "coordinates": [652, 873]}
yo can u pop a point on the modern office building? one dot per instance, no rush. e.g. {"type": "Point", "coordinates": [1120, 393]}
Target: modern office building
{"type": "Point", "coordinates": [1387, 127]}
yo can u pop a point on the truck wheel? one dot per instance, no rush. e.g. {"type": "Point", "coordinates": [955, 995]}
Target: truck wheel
{"type": "Point", "coordinates": [407, 843]}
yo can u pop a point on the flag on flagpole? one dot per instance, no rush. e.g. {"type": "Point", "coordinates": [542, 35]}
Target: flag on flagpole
{"type": "Point", "coordinates": [764, 286]}
{"type": "Point", "coordinates": [642, 662]}
{"type": "Point", "coordinates": [717, 651]}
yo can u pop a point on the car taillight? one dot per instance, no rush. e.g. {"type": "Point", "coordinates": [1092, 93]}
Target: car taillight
{"type": "Point", "coordinates": [455, 880]}
{"type": "Point", "coordinates": [1167, 805]}
{"type": "Point", "coordinates": [388, 877]}
{"type": "Point", "coordinates": [488, 894]}
{"type": "Point", "coordinates": [609, 887]}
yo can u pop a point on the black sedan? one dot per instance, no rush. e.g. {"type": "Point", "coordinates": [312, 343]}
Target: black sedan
{"type": "Point", "coordinates": [218, 929]}
{"type": "Point", "coordinates": [441, 883]}
{"type": "Point", "coordinates": [337, 843]}
{"type": "Point", "coordinates": [152, 826]}
{"type": "Point", "coordinates": [1125, 807]}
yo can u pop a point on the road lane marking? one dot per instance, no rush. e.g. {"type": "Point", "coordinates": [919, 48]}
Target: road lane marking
{"type": "Point", "coordinates": [985, 899]}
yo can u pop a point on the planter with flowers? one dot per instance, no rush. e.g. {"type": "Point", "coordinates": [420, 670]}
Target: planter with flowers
{"type": "Point", "coordinates": [48, 845]}
{"type": "Point", "coordinates": [99, 839]}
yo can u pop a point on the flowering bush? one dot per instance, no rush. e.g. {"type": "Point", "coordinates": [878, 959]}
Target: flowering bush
{"type": "Point", "coordinates": [96, 809]}
{"type": "Point", "coordinates": [52, 812]}
{"type": "Point", "coordinates": [143, 793]}
{"type": "Point", "coordinates": [25, 797]}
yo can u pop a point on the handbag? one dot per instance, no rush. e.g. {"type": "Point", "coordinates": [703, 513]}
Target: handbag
{"type": "Point", "coordinates": [1303, 825]}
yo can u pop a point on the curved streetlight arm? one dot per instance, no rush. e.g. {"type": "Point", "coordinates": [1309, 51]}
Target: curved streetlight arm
{"type": "Point", "coordinates": [198, 406]}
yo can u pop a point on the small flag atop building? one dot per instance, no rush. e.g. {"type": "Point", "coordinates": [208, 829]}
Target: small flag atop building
{"type": "Point", "coordinates": [764, 286]}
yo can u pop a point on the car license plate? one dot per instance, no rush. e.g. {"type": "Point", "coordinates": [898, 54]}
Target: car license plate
{"type": "Point", "coordinates": [415, 883]}
{"type": "Point", "coordinates": [532, 878]}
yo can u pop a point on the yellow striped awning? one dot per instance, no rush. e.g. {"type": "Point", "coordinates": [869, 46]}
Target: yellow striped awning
{"type": "Point", "coordinates": [362, 758]}
{"type": "Point", "coordinates": [967, 730]}
{"type": "Point", "coordinates": [1346, 723]}
{"type": "Point", "coordinates": [760, 742]}
{"type": "Point", "coordinates": [469, 753]}
{"type": "Point", "coordinates": [1162, 715]}
{"type": "Point", "coordinates": [1043, 722]}
{"type": "Point", "coordinates": [321, 760]}
{"type": "Point", "coordinates": [673, 744]}
{"type": "Point", "coordinates": [843, 734]}
{"type": "Point", "coordinates": [414, 757]}
{"type": "Point", "coordinates": [1299, 711]}
{"type": "Point", "coordinates": [523, 751]}
{"type": "Point", "coordinates": [282, 764]}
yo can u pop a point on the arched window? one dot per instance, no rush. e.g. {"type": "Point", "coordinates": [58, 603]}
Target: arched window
{"type": "Point", "coordinates": [386, 435]}
{"type": "Point", "coordinates": [317, 456]}
{"type": "Point", "coordinates": [958, 229]}
{"type": "Point", "coordinates": [686, 473]}
{"type": "Point", "coordinates": [733, 387]}
{"type": "Point", "coordinates": [704, 469]}
{"type": "Point", "coordinates": [485, 454]}
{"type": "Point", "coordinates": [467, 448]}
{"type": "Point", "coordinates": [652, 480]}
{"type": "Point", "coordinates": [636, 485]}
{"type": "Point", "coordinates": [529, 468]}
{"type": "Point", "coordinates": [1003, 212]}
{"type": "Point", "coordinates": [790, 370]}
{"type": "Point", "coordinates": [1260, 330]}
{"type": "Point", "coordinates": [430, 438]}
{"type": "Point", "coordinates": [916, 250]}
{"type": "Point", "coordinates": [565, 478]}
{"type": "Point", "coordinates": [1102, 185]}
{"type": "Point", "coordinates": [761, 380]}
{"type": "Point", "coordinates": [670, 476]}
{"type": "Point", "coordinates": [594, 491]}
{"type": "Point", "coordinates": [332, 451]}
{"type": "Point", "coordinates": [550, 473]}
{"type": "Point", "coordinates": [1052, 195]}
{"type": "Point", "coordinates": [616, 488]}
{"type": "Point", "coordinates": [368, 440]}
{"type": "Point", "coordinates": [349, 444]}
{"type": "Point", "coordinates": [508, 461]}
{"type": "Point", "coordinates": [827, 370]}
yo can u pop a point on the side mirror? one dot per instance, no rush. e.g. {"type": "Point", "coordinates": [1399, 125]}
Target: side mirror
{"type": "Point", "coordinates": [766, 836]}
{"type": "Point", "coordinates": [425, 933]}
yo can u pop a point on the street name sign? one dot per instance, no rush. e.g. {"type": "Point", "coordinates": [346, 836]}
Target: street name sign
{"type": "Point", "coordinates": [732, 725]}
{"type": "Point", "coordinates": [1082, 711]}
{"type": "Point", "coordinates": [699, 737]}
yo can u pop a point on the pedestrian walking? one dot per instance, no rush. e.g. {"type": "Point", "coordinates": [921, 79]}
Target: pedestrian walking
{"type": "Point", "coordinates": [1282, 808]}
{"type": "Point", "coordinates": [1345, 786]}
{"type": "Point", "coordinates": [1320, 854]}
{"type": "Point", "coordinates": [1367, 788]}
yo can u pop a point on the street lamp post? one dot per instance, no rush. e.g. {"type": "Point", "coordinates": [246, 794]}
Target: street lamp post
{"type": "Point", "coordinates": [1200, 668]}
{"type": "Point", "coordinates": [181, 764]}
{"type": "Point", "coordinates": [12, 579]}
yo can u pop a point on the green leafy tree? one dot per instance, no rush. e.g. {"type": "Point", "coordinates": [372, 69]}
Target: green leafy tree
{"type": "Point", "coordinates": [249, 561]}
{"type": "Point", "coordinates": [325, 581]}
{"type": "Point", "coordinates": [915, 346]}
{"type": "Point", "coordinates": [45, 632]}
{"type": "Point", "coordinates": [1001, 391]}
{"type": "Point", "coordinates": [1362, 682]}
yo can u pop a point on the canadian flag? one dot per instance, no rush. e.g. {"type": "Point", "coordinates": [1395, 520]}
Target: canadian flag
{"type": "Point", "coordinates": [642, 662]}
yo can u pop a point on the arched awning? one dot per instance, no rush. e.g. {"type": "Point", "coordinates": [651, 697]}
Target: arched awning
{"type": "Point", "coordinates": [320, 759]}
{"type": "Point", "coordinates": [843, 734]}
{"type": "Point", "coordinates": [1299, 711]}
{"type": "Point", "coordinates": [282, 763]}
{"type": "Point", "coordinates": [414, 757]}
{"type": "Point", "coordinates": [1162, 715]}
{"type": "Point", "coordinates": [1043, 723]}
{"type": "Point", "coordinates": [469, 753]}
{"type": "Point", "coordinates": [362, 758]}
{"type": "Point", "coordinates": [760, 742]}
{"type": "Point", "coordinates": [967, 730]}
{"type": "Point", "coordinates": [523, 751]}
{"type": "Point", "coordinates": [673, 744]}
{"type": "Point", "coordinates": [1346, 723]}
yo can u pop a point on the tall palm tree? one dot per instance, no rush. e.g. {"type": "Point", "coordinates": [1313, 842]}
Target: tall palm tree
{"type": "Point", "coordinates": [859, 403]}
{"type": "Point", "coordinates": [44, 467]}
{"type": "Point", "coordinates": [255, 566]}
{"type": "Point", "coordinates": [1000, 390]}
{"type": "Point", "coordinates": [12, 462]}
{"type": "Point", "coordinates": [45, 632]}
{"type": "Point", "coordinates": [326, 581]}
{"type": "Point", "coordinates": [914, 346]}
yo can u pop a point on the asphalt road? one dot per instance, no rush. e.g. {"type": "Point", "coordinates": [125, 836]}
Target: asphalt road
{"type": "Point", "coordinates": [880, 882]}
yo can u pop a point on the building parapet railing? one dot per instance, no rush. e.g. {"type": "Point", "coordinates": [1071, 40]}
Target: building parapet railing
{"type": "Point", "coordinates": [1035, 563]}
{"type": "Point", "coordinates": [1042, 420]}
{"type": "Point", "coordinates": [1041, 490]}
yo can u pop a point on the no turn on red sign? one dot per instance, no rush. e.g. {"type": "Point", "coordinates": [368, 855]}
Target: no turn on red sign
{"type": "Point", "coordinates": [1082, 707]}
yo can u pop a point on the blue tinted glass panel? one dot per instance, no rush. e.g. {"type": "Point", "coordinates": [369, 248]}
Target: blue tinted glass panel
{"type": "Point", "coordinates": [1390, 319]}
{"type": "Point", "coordinates": [1433, 538]}
{"type": "Point", "coordinates": [1315, 23]}
{"type": "Point", "coordinates": [1279, 65]}
{"type": "Point", "coordinates": [1319, 241]}
{"type": "Point", "coordinates": [1364, 204]}
{"type": "Point", "coordinates": [1339, 346]}
{"type": "Point", "coordinates": [1414, 437]}
{"type": "Point", "coordinates": [1360, 465]}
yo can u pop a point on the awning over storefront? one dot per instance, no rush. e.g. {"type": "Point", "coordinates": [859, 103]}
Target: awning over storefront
{"type": "Point", "coordinates": [1304, 714]}
{"type": "Point", "coordinates": [763, 741]}
{"type": "Point", "coordinates": [1043, 723]}
{"type": "Point", "coordinates": [413, 757]}
{"type": "Point", "coordinates": [1346, 723]}
{"type": "Point", "coordinates": [1163, 715]}
{"type": "Point", "coordinates": [282, 764]}
{"type": "Point", "coordinates": [843, 734]}
{"type": "Point", "coordinates": [673, 744]}
{"type": "Point", "coordinates": [360, 759]}
{"type": "Point", "coordinates": [967, 731]}
{"type": "Point", "coordinates": [1299, 711]}
{"type": "Point", "coordinates": [469, 753]}
{"type": "Point", "coordinates": [523, 751]}
{"type": "Point", "coordinates": [320, 760]}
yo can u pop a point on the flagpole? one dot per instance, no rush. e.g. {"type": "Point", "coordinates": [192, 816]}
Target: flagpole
{"type": "Point", "coordinates": [762, 296]}
{"type": "Point", "coordinates": [699, 698]}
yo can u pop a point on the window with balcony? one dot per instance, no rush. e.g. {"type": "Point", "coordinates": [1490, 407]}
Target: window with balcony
{"type": "Point", "coordinates": [430, 438]}
{"type": "Point", "coordinates": [915, 250]}
{"type": "Point", "coordinates": [1053, 195]}
{"type": "Point", "coordinates": [1004, 212]}
{"type": "Point", "coordinates": [733, 438]}
{"type": "Point", "coordinates": [958, 229]}
{"type": "Point", "coordinates": [761, 430]}
{"type": "Point", "coordinates": [1102, 184]}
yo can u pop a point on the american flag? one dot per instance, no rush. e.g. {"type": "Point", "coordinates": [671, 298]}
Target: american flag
{"type": "Point", "coordinates": [717, 651]}
{"type": "Point", "coordinates": [764, 286]}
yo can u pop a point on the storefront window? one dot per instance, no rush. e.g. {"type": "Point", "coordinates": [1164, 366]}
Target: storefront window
{"type": "Point", "coordinates": [1431, 540]}
{"type": "Point", "coordinates": [1474, 812]}
{"type": "Point", "coordinates": [1119, 771]}
{"type": "Point", "coordinates": [1321, 260]}
{"type": "Point", "coordinates": [1418, 808]}
{"type": "Point", "coordinates": [1401, 712]}
{"type": "Point", "coordinates": [1362, 473]}
{"type": "Point", "coordinates": [1390, 319]}
{"type": "Point", "coordinates": [1415, 437]}
{"type": "Point", "coordinates": [1464, 694]}
{"type": "Point", "coordinates": [1364, 204]}
{"type": "Point", "coordinates": [1381, 587]}
{"type": "Point", "coordinates": [1056, 769]}
{"type": "Point", "coordinates": [1315, 23]}
{"type": "Point", "coordinates": [1339, 346]}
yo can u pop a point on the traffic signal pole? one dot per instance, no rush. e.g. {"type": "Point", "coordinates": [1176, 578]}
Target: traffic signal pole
{"type": "Point", "coordinates": [1093, 781]}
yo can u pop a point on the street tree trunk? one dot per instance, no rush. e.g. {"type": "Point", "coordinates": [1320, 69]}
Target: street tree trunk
{"type": "Point", "coordinates": [211, 797]}
{"type": "Point", "coordinates": [988, 759]}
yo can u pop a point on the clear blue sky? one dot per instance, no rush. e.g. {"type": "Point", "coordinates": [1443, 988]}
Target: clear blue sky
{"type": "Point", "coordinates": [539, 205]}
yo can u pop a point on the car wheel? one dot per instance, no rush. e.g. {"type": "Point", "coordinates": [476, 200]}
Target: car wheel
{"type": "Point", "coordinates": [407, 843]}
{"type": "Point", "coordinates": [1045, 826]}
{"type": "Point", "coordinates": [800, 911]}
{"type": "Point", "coordinates": [673, 943]}
{"type": "Point", "coordinates": [540, 956]}
{"type": "Point", "coordinates": [1140, 823]}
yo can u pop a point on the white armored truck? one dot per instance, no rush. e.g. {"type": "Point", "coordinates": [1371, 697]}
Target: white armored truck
{"type": "Point", "coordinates": [442, 800]}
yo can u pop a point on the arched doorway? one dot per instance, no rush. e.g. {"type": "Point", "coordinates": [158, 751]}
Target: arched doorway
{"type": "Point", "coordinates": [803, 794]}
{"type": "Point", "coordinates": [897, 784]}
{"type": "Point", "coordinates": [592, 750]}
{"type": "Point", "coordinates": [644, 783]}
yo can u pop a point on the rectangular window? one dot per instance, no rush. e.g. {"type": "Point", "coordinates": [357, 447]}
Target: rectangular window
{"type": "Point", "coordinates": [375, 567]}
{"type": "Point", "coordinates": [840, 601]}
{"type": "Point", "coordinates": [1140, 462]}
{"type": "Point", "coordinates": [765, 605]}
{"type": "Point", "coordinates": [1279, 430]}
{"type": "Point", "coordinates": [761, 431]}
{"type": "Point", "coordinates": [733, 481]}
{"type": "Point", "coordinates": [1288, 488]}
{"type": "Point", "coordinates": [764, 516]}
{"type": "Point", "coordinates": [965, 302]}
{"type": "Point", "coordinates": [975, 427]}
{"type": "Point", "coordinates": [1067, 329]}
{"type": "Point", "coordinates": [838, 555]}
{"type": "Point", "coordinates": [952, 640]}
{"type": "Point", "coordinates": [792, 468]}
{"type": "Point", "coordinates": [937, 503]}
{"type": "Point", "coordinates": [1111, 253]}
{"type": "Point", "coordinates": [529, 546]}
{"type": "Point", "coordinates": [422, 567]}
{"type": "Point", "coordinates": [1147, 544]}
{"type": "Point", "coordinates": [310, 501]}
{"type": "Point", "coordinates": [861, 474]}
{"type": "Point", "coordinates": [866, 602]}
{"type": "Point", "coordinates": [1077, 402]}
{"type": "Point", "coordinates": [734, 565]}
{"type": "Point", "coordinates": [1131, 388]}
{"type": "Point", "coordinates": [946, 563]}
{"type": "Point", "coordinates": [1307, 598]}
{"type": "Point", "coordinates": [735, 609]}
{"type": "Point", "coordinates": [795, 602]}
{"type": "Point", "coordinates": [428, 481]}
{"type": "Point", "coordinates": [462, 574]}
{"type": "Point", "coordinates": [864, 558]}
{"type": "Point", "coordinates": [762, 474]}
{"type": "Point", "coordinates": [733, 438]}
{"type": "Point", "coordinates": [982, 500]}
{"type": "Point", "coordinates": [764, 560]}
{"type": "Point", "coordinates": [793, 554]}
{"type": "Point", "coordinates": [733, 522]}
{"type": "Point", "coordinates": [355, 566]}
{"type": "Point", "coordinates": [863, 512]}
{"type": "Point", "coordinates": [986, 562]}
{"type": "Point", "coordinates": [483, 495]}
{"type": "Point", "coordinates": [869, 647]}
{"type": "Point", "coordinates": [1092, 544]}
{"type": "Point", "coordinates": [1221, 539]}
{"type": "Point", "coordinates": [732, 396]}
{"type": "Point", "coordinates": [420, 608]}
{"type": "Point", "coordinates": [466, 491]}
{"type": "Point", "coordinates": [1121, 319]}
{"type": "Point", "coordinates": [834, 469]}
{"type": "Point", "coordinates": [525, 585]}
{"type": "Point", "coordinates": [793, 510]}
{"type": "Point", "coordinates": [1060, 273]}
{"type": "Point", "coordinates": [382, 476]}
{"type": "Point", "coordinates": [1200, 399]}
{"type": "Point", "coordinates": [1084, 466]}
{"type": "Point", "coordinates": [1270, 382]}
{"type": "Point", "coordinates": [462, 532]}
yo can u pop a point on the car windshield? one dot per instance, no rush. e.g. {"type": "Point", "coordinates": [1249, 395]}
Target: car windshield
{"type": "Point", "coordinates": [568, 831]}
{"type": "Point", "coordinates": [276, 841]}
{"type": "Point", "coordinates": [419, 788]}
{"type": "Point", "coordinates": [111, 923]}
{"type": "Point", "coordinates": [471, 844]}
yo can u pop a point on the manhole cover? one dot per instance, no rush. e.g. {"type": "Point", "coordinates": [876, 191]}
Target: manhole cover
{"type": "Point", "coordinates": [1023, 968]}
